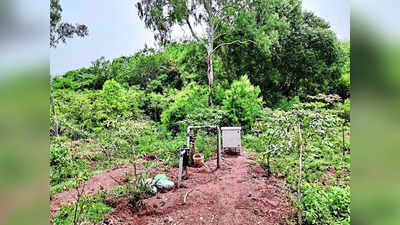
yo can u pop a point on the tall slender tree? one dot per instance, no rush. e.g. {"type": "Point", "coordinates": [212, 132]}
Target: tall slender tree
{"type": "Point", "coordinates": [217, 18]}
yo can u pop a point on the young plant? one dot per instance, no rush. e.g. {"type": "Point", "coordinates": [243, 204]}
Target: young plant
{"type": "Point", "coordinates": [80, 181]}
{"type": "Point", "coordinates": [312, 120]}
{"type": "Point", "coordinates": [274, 137]}
{"type": "Point", "coordinates": [129, 131]}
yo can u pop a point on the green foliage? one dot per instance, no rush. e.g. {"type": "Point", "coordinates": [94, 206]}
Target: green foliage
{"type": "Point", "coordinates": [296, 54]}
{"type": "Point", "coordinates": [275, 139]}
{"type": "Point", "coordinates": [189, 99]}
{"type": "Point", "coordinates": [286, 104]}
{"type": "Point", "coordinates": [114, 98]}
{"type": "Point", "coordinates": [326, 205]}
{"type": "Point", "coordinates": [64, 165]}
{"type": "Point", "coordinates": [153, 104]}
{"type": "Point", "coordinates": [242, 103]}
{"type": "Point", "coordinates": [90, 209]}
{"type": "Point", "coordinates": [206, 143]}
{"type": "Point", "coordinates": [129, 107]}
{"type": "Point", "coordinates": [343, 110]}
{"type": "Point", "coordinates": [83, 112]}
{"type": "Point", "coordinates": [346, 109]}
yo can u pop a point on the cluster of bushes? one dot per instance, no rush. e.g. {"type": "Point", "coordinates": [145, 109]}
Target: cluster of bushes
{"type": "Point", "coordinates": [239, 105]}
{"type": "Point", "coordinates": [85, 111]}
{"type": "Point", "coordinates": [64, 165]}
{"type": "Point", "coordinates": [326, 205]}
{"type": "Point", "coordinates": [89, 111]}
{"type": "Point", "coordinates": [88, 210]}
{"type": "Point", "coordinates": [177, 65]}
{"type": "Point", "coordinates": [326, 160]}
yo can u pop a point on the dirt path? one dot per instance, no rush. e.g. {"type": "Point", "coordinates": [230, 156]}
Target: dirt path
{"type": "Point", "coordinates": [235, 194]}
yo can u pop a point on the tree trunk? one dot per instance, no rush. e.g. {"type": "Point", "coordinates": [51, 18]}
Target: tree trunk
{"type": "Point", "coordinates": [210, 74]}
{"type": "Point", "coordinates": [299, 217]}
{"type": "Point", "coordinates": [210, 55]}
{"type": "Point", "coordinates": [53, 108]}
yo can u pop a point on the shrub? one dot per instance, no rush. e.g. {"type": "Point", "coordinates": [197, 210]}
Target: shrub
{"type": "Point", "coordinates": [242, 103]}
{"type": "Point", "coordinates": [186, 101]}
{"type": "Point", "coordinates": [286, 104]}
{"type": "Point", "coordinates": [154, 104]}
{"type": "Point", "coordinates": [325, 205]}
{"type": "Point", "coordinates": [90, 210]}
{"type": "Point", "coordinates": [81, 113]}
{"type": "Point", "coordinates": [114, 97]}
{"type": "Point", "coordinates": [64, 165]}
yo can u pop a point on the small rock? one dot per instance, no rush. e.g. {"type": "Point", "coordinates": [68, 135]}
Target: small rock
{"type": "Point", "coordinates": [249, 195]}
{"type": "Point", "coordinates": [255, 212]}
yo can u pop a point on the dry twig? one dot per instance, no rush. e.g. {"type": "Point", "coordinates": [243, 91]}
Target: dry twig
{"type": "Point", "coordinates": [187, 193]}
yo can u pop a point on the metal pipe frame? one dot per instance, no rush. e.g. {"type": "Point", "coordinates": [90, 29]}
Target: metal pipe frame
{"type": "Point", "coordinates": [218, 139]}
{"type": "Point", "coordinates": [189, 128]}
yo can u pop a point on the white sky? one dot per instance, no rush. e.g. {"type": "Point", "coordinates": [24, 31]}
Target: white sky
{"type": "Point", "coordinates": [116, 30]}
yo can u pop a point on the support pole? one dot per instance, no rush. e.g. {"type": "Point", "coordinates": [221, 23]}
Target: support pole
{"type": "Point", "coordinates": [218, 147]}
{"type": "Point", "coordinates": [189, 128]}
{"type": "Point", "coordinates": [188, 136]}
{"type": "Point", "coordinates": [180, 167]}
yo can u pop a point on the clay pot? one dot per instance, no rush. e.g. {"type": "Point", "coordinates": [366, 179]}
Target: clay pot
{"type": "Point", "coordinates": [198, 159]}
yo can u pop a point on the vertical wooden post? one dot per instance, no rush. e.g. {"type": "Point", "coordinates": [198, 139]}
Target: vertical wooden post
{"type": "Point", "coordinates": [299, 218]}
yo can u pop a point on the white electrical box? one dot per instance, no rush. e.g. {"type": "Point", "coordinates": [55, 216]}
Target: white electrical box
{"type": "Point", "coordinates": [231, 137]}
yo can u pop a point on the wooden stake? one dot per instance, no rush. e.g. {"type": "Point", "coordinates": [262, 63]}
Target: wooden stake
{"type": "Point", "coordinates": [299, 218]}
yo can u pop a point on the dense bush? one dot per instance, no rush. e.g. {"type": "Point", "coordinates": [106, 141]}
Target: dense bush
{"type": "Point", "coordinates": [275, 140]}
{"type": "Point", "coordinates": [242, 103]}
{"type": "Point", "coordinates": [153, 104]}
{"type": "Point", "coordinates": [89, 210]}
{"type": "Point", "coordinates": [326, 205]}
{"type": "Point", "coordinates": [346, 109]}
{"type": "Point", "coordinates": [84, 112]}
{"type": "Point", "coordinates": [114, 98]}
{"type": "Point", "coordinates": [186, 101]}
{"type": "Point", "coordinates": [286, 104]}
{"type": "Point", "coordinates": [64, 165]}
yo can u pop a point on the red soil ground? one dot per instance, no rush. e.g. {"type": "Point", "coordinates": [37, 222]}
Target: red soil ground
{"type": "Point", "coordinates": [237, 193]}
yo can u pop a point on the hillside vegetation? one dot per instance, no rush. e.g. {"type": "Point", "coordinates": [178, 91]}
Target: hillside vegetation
{"type": "Point", "coordinates": [295, 96]}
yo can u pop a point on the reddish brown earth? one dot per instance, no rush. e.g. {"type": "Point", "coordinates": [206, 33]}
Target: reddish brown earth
{"type": "Point", "coordinates": [237, 193]}
{"type": "Point", "coordinates": [103, 181]}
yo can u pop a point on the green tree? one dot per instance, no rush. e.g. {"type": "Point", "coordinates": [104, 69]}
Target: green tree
{"type": "Point", "coordinates": [242, 103]}
{"type": "Point", "coordinates": [185, 101]}
{"type": "Point", "coordinates": [303, 57]}
{"type": "Point", "coordinates": [217, 17]}
{"type": "Point", "coordinates": [60, 31]}
{"type": "Point", "coordinates": [114, 97]}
